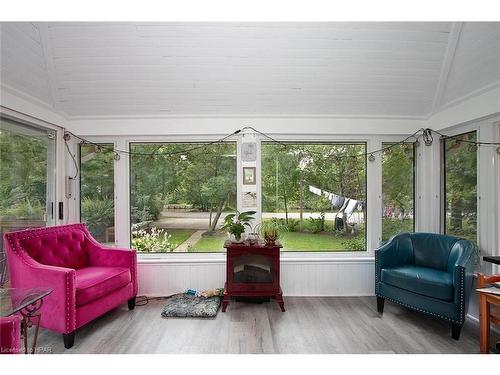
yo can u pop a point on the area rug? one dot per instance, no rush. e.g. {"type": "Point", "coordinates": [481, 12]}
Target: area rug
{"type": "Point", "coordinates": [186, 306]}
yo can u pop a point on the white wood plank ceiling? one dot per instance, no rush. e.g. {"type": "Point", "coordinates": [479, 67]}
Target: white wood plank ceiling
{"type": "Point", "coordinates": [403, 70]}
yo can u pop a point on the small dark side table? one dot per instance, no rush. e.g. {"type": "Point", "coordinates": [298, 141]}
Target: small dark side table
{"type": "Point", "coordinates": [495, 260]}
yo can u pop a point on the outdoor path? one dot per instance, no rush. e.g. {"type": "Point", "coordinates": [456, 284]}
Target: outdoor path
{"type": "Point", "coordinates": [183, 247]}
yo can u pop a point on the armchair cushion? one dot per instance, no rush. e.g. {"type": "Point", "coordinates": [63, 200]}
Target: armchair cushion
{"type": "Point", "coordinates": [95, 282]}
{"type": "Point", "coordinates": [431, 282]}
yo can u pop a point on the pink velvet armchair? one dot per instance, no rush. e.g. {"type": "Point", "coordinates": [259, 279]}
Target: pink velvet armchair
{"type": "Point", "coordinates": [87, 279]}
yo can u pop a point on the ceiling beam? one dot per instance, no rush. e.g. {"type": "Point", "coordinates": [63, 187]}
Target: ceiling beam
{"type": "Point", "coordinates": [449, 56]}
{"type": "Point", "coordinates": [43, 29]}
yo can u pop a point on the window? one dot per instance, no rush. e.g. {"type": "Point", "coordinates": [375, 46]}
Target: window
{"type": "Point", "coordinates": [460, 186]}
{"type": "Point", "coordinates": [317, 194]}
{"type": "Point", "coordinates": [398, 173]}
{"type": "Point", "coordinates": [179, 194]}
{"type": "Point", "coordinates": [97, 208]}
{"type": "Point", "coordinates": [27, 177]}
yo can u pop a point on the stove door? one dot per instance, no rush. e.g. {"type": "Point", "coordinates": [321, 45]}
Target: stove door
{"type": "Point", "coordinates": [253, 268]}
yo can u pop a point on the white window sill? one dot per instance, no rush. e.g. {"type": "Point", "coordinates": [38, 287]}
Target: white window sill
{"type": "Point", "coordinates": [286, 257]}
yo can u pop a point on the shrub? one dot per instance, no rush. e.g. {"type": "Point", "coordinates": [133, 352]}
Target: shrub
{"type": "Point", "coordinates": [155, 241]}
{"type": "Point", "coordinates": [145, 208]}
{"type": "Point", "coordinates": [293, 225]}
{"type": "Point", "coordinates": [317, 225]}
{"type": "Point", "coordinates": [24, 210]}
{"type": "Point", "coordinates": [355, 243]}
{"type": "Point", "coordinates": [98, 214]}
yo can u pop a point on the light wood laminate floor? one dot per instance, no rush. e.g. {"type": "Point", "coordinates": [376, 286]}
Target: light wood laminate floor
{"type": "Point", "coordinates": [310, 325]}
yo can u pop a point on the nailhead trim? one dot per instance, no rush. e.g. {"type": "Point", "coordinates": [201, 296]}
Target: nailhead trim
{"type": "Point", "coordinates": [419, 309]}
{"type": "Point", "coordinates": [462, 287]}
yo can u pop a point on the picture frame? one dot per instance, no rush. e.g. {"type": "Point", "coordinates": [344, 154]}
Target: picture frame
{"type": "Point", "coordinates": [249, 151]}
{"type": "Point", "coordinates": [249, 175]}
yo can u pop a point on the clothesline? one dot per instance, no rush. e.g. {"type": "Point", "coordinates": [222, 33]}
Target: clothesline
{"type": "Point", "coordinates": [345, 204]}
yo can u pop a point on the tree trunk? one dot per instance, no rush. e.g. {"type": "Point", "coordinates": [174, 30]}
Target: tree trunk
{"type": "Point", "coordinates": [210, 219]}
{"type": "Point", "coordinates": [456, 214]}
{"type": "Point", "coordinates": [217, 215]}
{"type": "Point", "coordinates": [301, 204]}
{"type": "Point", "coordinates": [286, 205]}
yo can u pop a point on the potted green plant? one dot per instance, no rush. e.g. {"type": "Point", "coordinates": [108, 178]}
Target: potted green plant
{"type": "Point", "coordinates": [235, 224]}
{"type": "Point", "coordinates": [271, 230]}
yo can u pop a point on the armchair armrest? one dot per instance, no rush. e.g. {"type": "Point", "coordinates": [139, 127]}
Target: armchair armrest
{"type": "Point", "coordinates": [59, 307]}
{"type": "Point", "coordinates": [115, 257]}
{"type": "Point", "coordinates": [397, 251]}
{"type": "Point", "coordinates": [463, 277]}
{"type": "Point", "coordinates": [112, 257]}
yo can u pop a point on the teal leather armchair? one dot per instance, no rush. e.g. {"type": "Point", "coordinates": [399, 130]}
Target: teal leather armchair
{"type": "Point", "coordinates": [427, 272]}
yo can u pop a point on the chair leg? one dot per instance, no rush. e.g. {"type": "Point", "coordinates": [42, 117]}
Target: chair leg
{"type": "Point", "coordinates": [455, 330]}
{"type": "Point", "coordinates": [69, 339]}
{"type": "Point", "coordinates": [131, 303]}
{"type": "Point", "coordinates": [380, 304]}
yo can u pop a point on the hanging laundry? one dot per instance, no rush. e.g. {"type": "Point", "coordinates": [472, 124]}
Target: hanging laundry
{"type": "Point", "coordinates": [344, 204]}
{"type": "Point", "coordinates": [351, 205]}
{"type": "Point", "coordinates": [340, 202]}
{"type": "Point", "coordinates": [315, 190]}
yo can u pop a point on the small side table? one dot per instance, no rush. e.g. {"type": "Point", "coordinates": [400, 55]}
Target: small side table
{"type": "Point", "coordinates": [495, 260]}
{"type": "Point", "coordinates": [27, 302]}
{"type": "Point", "coordinates": [492, 259]}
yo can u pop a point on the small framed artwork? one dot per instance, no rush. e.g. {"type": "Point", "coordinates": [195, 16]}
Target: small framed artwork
{"type": "Point", "coordinates": [249, 199]}
{"type": "Point", "coordinates": [248, 175]}
{"type": "Point", "coordinates": [249, 151]}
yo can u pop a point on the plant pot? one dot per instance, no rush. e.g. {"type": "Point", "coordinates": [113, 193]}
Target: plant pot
{"type": "Point", "coordinates": [235, 239]}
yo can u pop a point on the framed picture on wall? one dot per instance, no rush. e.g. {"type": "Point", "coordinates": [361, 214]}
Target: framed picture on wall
{"type": "Point", "coordinates": [248, 175]}
{"type": "Point", "coordinates": [249, 151]}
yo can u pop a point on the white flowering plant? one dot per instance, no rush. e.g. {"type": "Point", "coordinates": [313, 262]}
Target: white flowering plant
{"type": "Point", "coordinates": [154, 241]}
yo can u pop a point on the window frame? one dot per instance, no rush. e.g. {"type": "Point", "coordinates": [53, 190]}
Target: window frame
{"type": "Point", "coordinates": [322, 142]}
{"type": "Point", "coordinates": [374, 186]}
{"type": "Point", "coordinates": [54, 156]}
{"type": "Point", "coordinates": [130, 143]}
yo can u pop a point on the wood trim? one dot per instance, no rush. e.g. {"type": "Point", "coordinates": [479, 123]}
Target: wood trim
{"type": "Point", "coordinates": [449, 57]}
{"type": "Point", "coordinates": [43, 30]}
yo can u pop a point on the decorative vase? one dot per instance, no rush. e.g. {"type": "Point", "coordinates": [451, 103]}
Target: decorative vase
{"type": "Point", "coordinates": [236, 238]}
{"type": "Point", "coordinates": [253, 238]}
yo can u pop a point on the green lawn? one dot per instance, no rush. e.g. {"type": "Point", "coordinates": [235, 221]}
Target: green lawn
{"type": "Point", "coordinates": [209, 244]}
{"type": "Point", "coordinates": [179, 235]}
{"type": "Point", "coordinates": [300, 241]}
{"type": "Point", "coordinates": [292, 241]}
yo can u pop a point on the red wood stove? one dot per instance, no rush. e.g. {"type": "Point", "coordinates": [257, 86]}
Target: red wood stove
{"type": "Point", "coordinates": [252, 271]}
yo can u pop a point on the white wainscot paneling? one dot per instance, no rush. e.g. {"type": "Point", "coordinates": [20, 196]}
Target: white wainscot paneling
{"type": "Point", "coordinates": [342, 277]}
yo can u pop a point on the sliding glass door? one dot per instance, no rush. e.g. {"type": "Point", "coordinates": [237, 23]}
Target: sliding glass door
{"type": "Point", "coordinates": [27, 177]}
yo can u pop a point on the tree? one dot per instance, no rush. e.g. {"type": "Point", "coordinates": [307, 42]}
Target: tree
{"type": "Point", "coordinates": [461, 185]}
{"type": "Point", "coordinates": [202, 177]}
{"type": "Point", "coordinates": [397, 177]}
